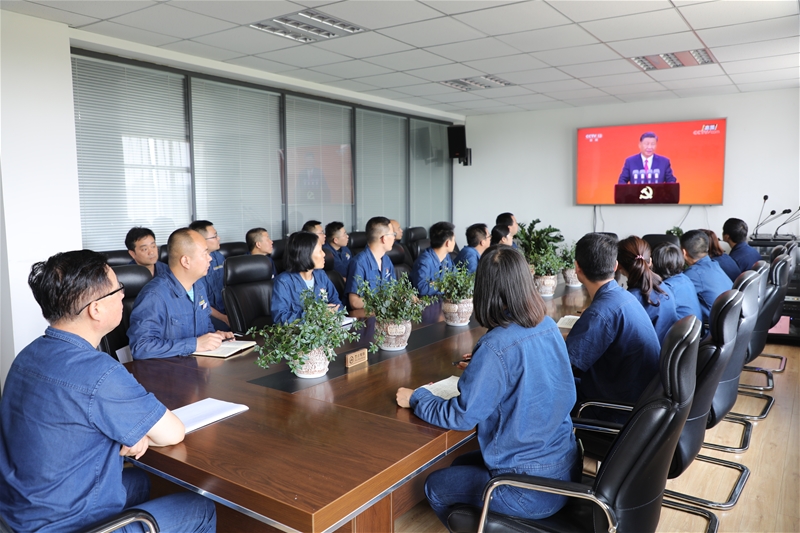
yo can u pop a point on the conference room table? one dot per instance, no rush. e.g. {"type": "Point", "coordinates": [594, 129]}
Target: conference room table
{"type": "Point", "coordinates": [334, 453]}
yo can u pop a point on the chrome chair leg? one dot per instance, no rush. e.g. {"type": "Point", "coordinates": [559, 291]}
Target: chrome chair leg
{"type": "Point", "coordinates": [711, 518]}
{"type": "Point", "coordinates": [781, 365]}
{"type": "Point", "coordinates": [770, 381]}
{"type": "Point", "coordinates": [764, 412]}
{"type": "Point", "coordinates": [733, 497]}
{"type": "Point", "coordinates": [744, 443]}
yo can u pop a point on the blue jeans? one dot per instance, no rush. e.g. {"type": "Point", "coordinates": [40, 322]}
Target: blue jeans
{"type": "Point", "coordinates": [463, 483]}
{"type": "Point", "coordinates": [184, 512]}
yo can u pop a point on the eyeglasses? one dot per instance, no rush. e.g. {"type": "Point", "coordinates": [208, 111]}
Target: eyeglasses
{"type": "Point", "coordinates": [215, 236]}
{"type": "Point", "coordinates": [389, 235]}
{"type": "Point", "coordinates": [115, 291]}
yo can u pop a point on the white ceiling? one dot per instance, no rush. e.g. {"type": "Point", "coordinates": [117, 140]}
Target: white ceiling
{"type": "Point", "coordinates": [557, 53]}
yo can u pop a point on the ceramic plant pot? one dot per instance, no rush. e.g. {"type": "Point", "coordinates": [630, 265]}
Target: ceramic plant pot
{"type": "Point", "coordinates": [315, 366]}
{"type": "Point", "coordinates": [457, 313]}
{"type": "Point", "coordinates": [396, 336]}
{"type": "Point", "coordinates": [546, 285]}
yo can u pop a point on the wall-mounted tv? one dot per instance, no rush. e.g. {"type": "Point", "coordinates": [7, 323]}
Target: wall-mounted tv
{"type": "Point", "coordinates": [656, 163]}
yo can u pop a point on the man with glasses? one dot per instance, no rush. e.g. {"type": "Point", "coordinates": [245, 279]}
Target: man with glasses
{"type": "Point", "coordinates": [172, 314]}
{"type": "Point", "coordinates": [315, 227]}
{"type": "Point", "coordinates": [372, 264]}
{"type": "Point", "coordinates": [70, 414]}
{"type": "Point", "coordinates": [216, 272]}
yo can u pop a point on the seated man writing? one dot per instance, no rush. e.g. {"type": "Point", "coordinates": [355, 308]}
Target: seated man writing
{"type": "Point", "coordinates": [172, 315]}
{"type": "Point", "coordinates": [613, 343]}
{"type": "Point", "coordinates": [70, 413]}
{"type": "Point", "coordinates": [372, 264]}
{"type": "Point", "coordinates": [141, 244]}
{"type": "Point", "coordinates": [433, 261]}
{"type": "Point", "coordinates": [708, 278]}
{"type": "Point", "coordinates": [478, 240]}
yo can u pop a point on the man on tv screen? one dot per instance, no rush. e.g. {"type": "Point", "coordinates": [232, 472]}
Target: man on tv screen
{"type": "Point", "coordinates": [647, 166]}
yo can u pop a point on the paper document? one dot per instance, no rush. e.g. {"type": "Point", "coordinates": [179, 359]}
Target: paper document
{"type": "Point", "coordinates": [124, 354]}
{"type": "Point", "coordinates": [568, 321]}
{"type": "Point", "coordinates": [228, 348]}
{"type": "Point", "coordinates": [347, 322]}
{"type": "Point", "coordinates": [446, 388]}
{"type": "Point", "coordinates": [205, 412]}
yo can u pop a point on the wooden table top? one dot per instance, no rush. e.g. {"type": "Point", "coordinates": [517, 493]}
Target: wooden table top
{"type": "Point", "coordinates": [310, 453]}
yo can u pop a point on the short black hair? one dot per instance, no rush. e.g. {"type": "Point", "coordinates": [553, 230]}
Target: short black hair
{"type": "Point", "coordinates": [68, 281]}
{"type": "Point", "coordinates": [504, 290]}
{"type": "Point", "coordinates": [299, 249]}
{"type": "Point", "coordinates": [505, 219]}
{"type": "Point", "coordinates": [596, 254]}
{"type": "Point", "coordinates": [476, 233]}
{"type": "Point", "coordinates": [253, 236]}
{"type": "Point", "coordinates": [440, 232]}
{"type": "Point", "coordinates": [331, 229]}
{"type": "Point", "coordinates": [667, 260]}
{"type": "Point", "coordinates": [178, 241]}
{"type": "Point", "coordinates": [736, 229]}
{"type": "Point", "coordinates": [310, 225]}
{"type": "Point", "coordinates": [376, 226]}
{"type": "Point", "coordinates": [135, 234]}
{"type": "Point", "coordinates": [499, 232]}
{"type": "Point", "coordinates": [648, 134]}
{"type": "Point", "coordinates": [695, 242]}
{"type": "Point", "coordinates": [201, 226]}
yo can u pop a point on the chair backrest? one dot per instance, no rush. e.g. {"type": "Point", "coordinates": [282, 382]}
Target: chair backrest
{"type": "Point", "coordinates": [338, 282]}
{"type": "Point", "coordinates": [713, 355]}
{"type": "Point", "coordinates": [776, 251]}
{"type": "Point", "coordinates": [420, 246]}
{"type": "Point", "coordinates": [231, 249]}
{"type": "Point", "coordinates": [412, 236]}
{"type": "Point", "coordinates": [134, 277]}
{"type": "Point", "coordinates": [727, 391]}
{"type": "Point", "coordinates": [328, 260]}
{"type": "Point", "coordinates": [770, 306]}
{"type": "Point", "coordinates": [358, 241]}
{"type": "Point", "coordinates": [407, 260]}
{"type": "Point", "coordinates": [117, 257]}
{"type": "Point", "coordinates": [793, 250]}
{"type": "Point", "coordinates": [163, 253]}
{"type": "Point", "coordinates": [248, 291]}
{"type": "Point", "coordinates": [762, 269]}
{"type": "Point", "coordinates": [397, 255]}
{"type": "Point", "coordinates": [654, 239]}
{"type": "Point", "coordinates": [780, 278]}
{"type": "Point", "coordinates": [633, 475]}
{"type": "Point", "coordinates": [277, 254]}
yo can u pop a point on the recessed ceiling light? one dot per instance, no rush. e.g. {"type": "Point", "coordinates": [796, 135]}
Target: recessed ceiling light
{"type": "Point", "coordinates": [307, 26]}
{"type": "Point", "coordinates": [456, 84]}
{"type": "Point", "coordinates": [643, 63]}
{"type": "Point", "coordinates": [477, 82]}
{"type": "Point", "coordinates": [282, 32]}
{"type": "Point", "coordinates": [673, 60]}
{"type": "Point", "coordinates": [701, 56]}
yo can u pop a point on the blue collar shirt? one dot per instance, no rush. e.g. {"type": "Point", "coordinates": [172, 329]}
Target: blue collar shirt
{"type": "Point", "coordinates": [215, 281]}
{"type": "Point", "coordinates": [709, 282]}
{"type": "Point", "coordinates": [663, 315]}
{"type": "Point", "coordinates": [728, 265]}
{"type": "Point", "coordinates": [160, 267]}
{"type": "Point", "coordinates": [428, 268]}
{"type": "Point", "coordinates": [745, 256]}
{"type": "Point", "coordinates": [65, 410]}
{"type": "Point", "coordinates": [364, 266]}
{"type": "Point", "coordinates": [341, 258]}
{"type": "Point", "coordinates": [686, 302]}
{"type": "Point", "coordinates": [286, 305]}
{"type": "Point", "coordinates": [468, 256]}
{"type": "Point", "coordinates": [165, 322]}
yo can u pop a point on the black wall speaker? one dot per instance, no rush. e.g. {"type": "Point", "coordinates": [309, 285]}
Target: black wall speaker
{"type": "Point", "coordinates": [457, 141]}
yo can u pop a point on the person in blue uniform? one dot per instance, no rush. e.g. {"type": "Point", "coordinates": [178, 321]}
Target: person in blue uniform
{"type": "Point", "coordinates": [725, 262]}
{"type": "Point", "coordinates": [501, 235]}
{"type": "Point", "coordinates": [372, 264]}
{"type": "Point", "coordinates": [216, 273]}
{"type": "Point", "coordinates": [478, 240]}
{"type": "Point", "coordinates": [172, 315]}
{"type": "Point", "coordinates": [518, 391]}
{"type": "Point", "coordinates": [668, 263]}
{"type": "Point", "coordinates": [434, 261]}
{"type": "Point", "coordinates": [315, 227]}
{"type": "Point", "coordinates": [303, 262]}
{"type": "Point", "coordinates": [69, 415]}
{"type": "Point", "coordinates": [613, 344]}
{"type": "Point", "coordinates": [633, 255]}
{"type": "Point", "coordinates": [734, 232]}
{"type": "Point", "coordinates": [336, 238]}
{"type": "Point", "coordinates": [707, 277]}
{"type": "Point", "coordinates": [259, 243]}
{"type": "Point", "coordinates": [141, 245]}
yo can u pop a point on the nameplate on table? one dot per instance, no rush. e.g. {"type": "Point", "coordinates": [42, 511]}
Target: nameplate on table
{"type": "Point", "coordinates": [356, 358]}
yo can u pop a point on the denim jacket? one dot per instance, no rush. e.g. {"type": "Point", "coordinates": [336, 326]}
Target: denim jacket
{"type": "Point", "coordinates": [286, 305]}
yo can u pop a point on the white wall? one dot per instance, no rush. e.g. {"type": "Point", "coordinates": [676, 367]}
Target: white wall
{"type": "Point", "coordinates": [525, 163]}
{"type": "Point", "coordinates": [39, 166]}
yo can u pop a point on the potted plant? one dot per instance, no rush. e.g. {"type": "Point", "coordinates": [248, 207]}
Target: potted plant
{"type": "Point", "coordinates": [535, 242]}
{"type": "Point", "coordinates": [456, 286]}
{"type": "Point", "coordinates": [567, 255]}
{"type": "Point", "coordinates": [676, 230]}
{"type": "Point", "coordinates": [548, 264]}
{"type": "Point", "coordinates": [395, 303]}
{"type": "Point", "coordinates": [306, 344]}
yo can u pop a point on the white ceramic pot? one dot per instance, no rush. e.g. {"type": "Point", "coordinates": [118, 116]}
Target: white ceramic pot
{"type": "Point", "coordinates": [395, 335]}
{"type": "Point", "coordinates": [457, 313]}
{"type": "Point", "coordinates": [315, 366]}
{"type": "Point", "coordinates": [571, 277]}
{"type": "Point", "coordinates": [546, 285]}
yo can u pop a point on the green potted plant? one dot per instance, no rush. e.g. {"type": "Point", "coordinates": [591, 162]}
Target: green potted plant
{"type": "Point", "coordinates": [456, 286]}
{"type": "Point", "coordinates": [676, 230]}
{"type": "Point", "coordinates": [535, 242]}
{"type": "Point", "coordinates": [395, 304]}
{"type": "Point", "coordinates": [306, 344]}
{"type": "Point", "coordinates": [548, 264]}
{"type": "Point", "coordinates": [567, 255]}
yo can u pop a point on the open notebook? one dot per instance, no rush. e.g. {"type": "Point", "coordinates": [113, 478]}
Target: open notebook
{"type": "Point", "coordinates": [446, 388]}
{"type": "Point", "coordinates": [228, 348]}
{"type": "Point", "coordinates": [205, 412]}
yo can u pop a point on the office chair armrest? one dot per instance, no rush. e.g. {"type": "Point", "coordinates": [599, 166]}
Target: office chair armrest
{"type": "Point", "coordinates": [605, 405]}
{"type": "Point", "coordinates": [126, 518]}
{"type": "Point", "coordinates": [596, 426]}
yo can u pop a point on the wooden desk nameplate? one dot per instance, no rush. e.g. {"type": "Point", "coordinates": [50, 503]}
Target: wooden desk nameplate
{"type": "Point", "coordinates": [356, 358]}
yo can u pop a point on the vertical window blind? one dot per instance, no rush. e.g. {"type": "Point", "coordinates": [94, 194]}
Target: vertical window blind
{"type": "Point", "coordinates": [431, 187]}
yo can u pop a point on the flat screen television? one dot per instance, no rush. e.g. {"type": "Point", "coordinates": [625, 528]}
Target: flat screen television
{"type": "Point", "coordinates": [610, 165]}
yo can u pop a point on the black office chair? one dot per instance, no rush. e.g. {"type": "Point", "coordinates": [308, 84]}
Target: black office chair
{"type": "Point", "coordinates": [626, 495]}
{"type": "Point", "coordinates": [398, 257]}
{"type": "Point", "coordinates": [407, 260]}
{"type": "Point", "coordinates": [231, 249]}
{"type": "Point", "coordinates": [117, 257]}
{"type": "Point", "coordinates": [248, 292]}
{"type": "Point", "coordinates": [134, 277]}
{"type": "Point", "coordinates": [278, 248]}
{"type": "Point", "coordinates": [412, 237]}
{"type": "Point", "coordinates": [654, 239]}
{"type": "Point", "coordinates": [357, 242]}
{"type": "Point", "coordinates": [163, 254]}
{"type": "Point", "coordinates": [118, 522]}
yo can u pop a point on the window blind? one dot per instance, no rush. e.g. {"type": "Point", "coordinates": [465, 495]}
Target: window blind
{"type": "Point", "coordinates": [431, 187]}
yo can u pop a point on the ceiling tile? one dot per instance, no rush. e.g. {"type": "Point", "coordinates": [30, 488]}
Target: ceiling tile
{"type": "Point", "coordinates": [100, 10]}
{"type": "Point", "coordinates": [446, 72]}
{"type": "Point", "coordinates": [526, 99]}
{"type": "Point", "coordinates": [578, 93]}
{"type": "Point", "coordinates": [763, 63]}
{"type": "Point", "coordinates": [712, 81]}
{"type": "Point", "coordinates": [706, 91]}
{"type": "Point", "coordinates": [634, 88]}
{"type": "Point", "coordinates": [648, 96]}
{"type": "Point", "coordinates": [502, 92]}
{"type": "Point", "coordinates": [173, 21]}
{"type": "Point", "coordinates": [460, 96]}
{"type": "Point", "coordinates": [201, 50]}
{"type": "Point", "coordinates": [596, 100]}
{"type": "Point", "coordinates": [676, 42]}
{"type": "Point", "coordinates": [351, 85]}
{"type": "Point", "coordinates": [714, 14]}
{"type": "Point", "coordinates": [426, 89]}
{"type": "Point", "coordinates": [352, 69]}
{"type": "Point", "coordinates": [238, 11]}
{"type": "Point", "coordinates": [769, 85]}
{"type": "Point", "coordinates": [513, 18]}
{"type": "Point", "coordinates": [416, 100]}
{"type": "Point", "coordinates": [390, 81]}
{"type": "Point", "coordinates": [451, 7]}
{"type": "Point", "coordinates": [473, 50]}
{"type": "Point", "coordinates": [136, 35]}
{"type": "Point", "coordinates": [549, 38]}
{"type": "Point", "coordinates": [682, 73]}
{"type": "Point", "coordinates": [384, 93]}
{"type": "Point", "coordinates": [552, 104]}
{"type": "Point", "coordinates": [584, 10]}
{"type": "Point", "coordinates": [47, 13]}
{"type": "Point", "coordinates": [554, 86]}
{"type": "Point", "coordinates": [737, 52]}
{"type": "Point", "coordinates": [310, 75]}
{"type": "Point", "coordinates": [618, 79]}
{"type": "Point", "coordinates": [481, 104]}
{"type": "Point", "coordinates": [763, 30]}
{"type": "Point", "coordinates": [304, 56]}
{"type": "Point", "coordinates": [433, 32]}
{"type": "Point", "coordinates": [513, 63]}
{"type": "Point", "coordinates": [766, 75]}
{"type": "Point", "coordinates": [602, 68]}
{"type": "Point", "coordinates": [362, 45]}
{"type": "Point", "coordinates": [246, 40]}
{"type": "Point", "coordinates": [411, 59]}
{"type": "Point", "coordinates": [637, 26]}
{"type": "Point", "coordinates": [261, 64]}
{"type": "Point", "coordinates": [390, 13]}
{"type": "Point", "coordinates": [535, 76]}
{"type": "Point", "coordinates": [577, 55]}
